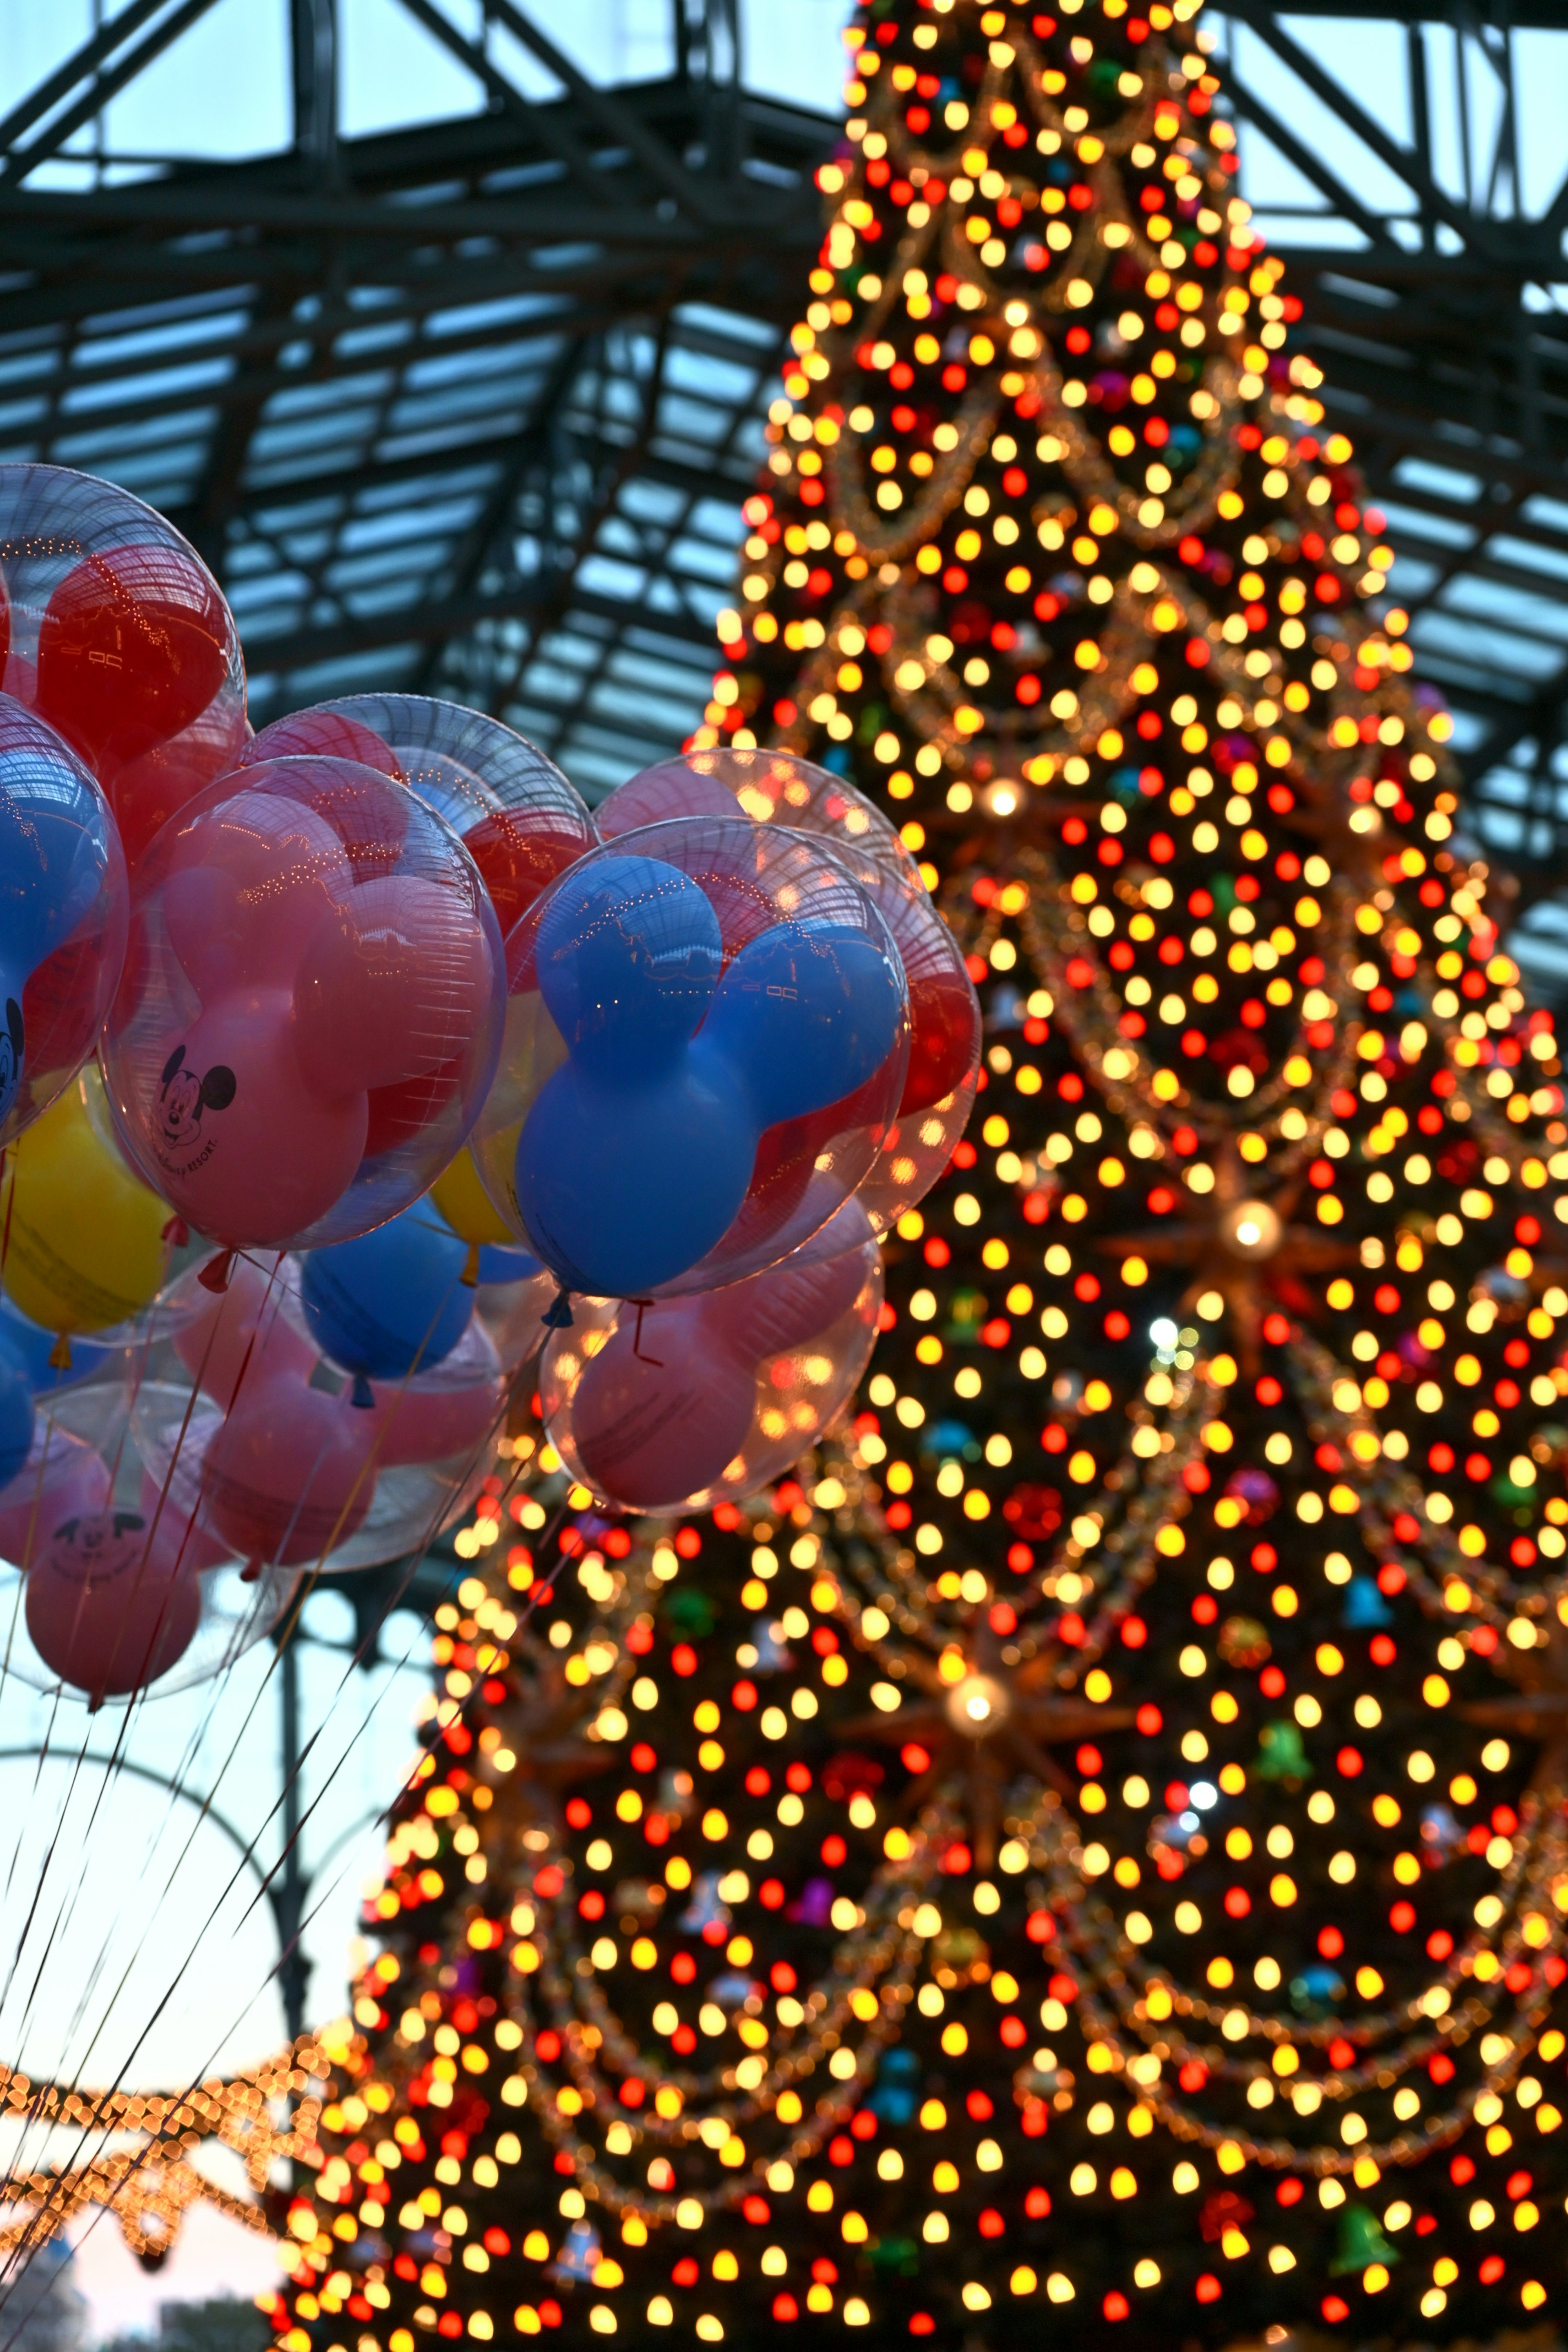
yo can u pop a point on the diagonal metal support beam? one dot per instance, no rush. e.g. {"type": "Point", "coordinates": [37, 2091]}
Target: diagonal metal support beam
{"type": "Point", "coordinates": [1433, 199]}
{"type": "Point", "coordinates": [102, 88]}
{"type": "Point", "coordinates": [543, 121]}
{"type": "Point", "coordinates": [82, 65]}
{"type": "Point", "coordinates": [617, 121]}
{"type": "Point", "coordinates": [1307, 162]}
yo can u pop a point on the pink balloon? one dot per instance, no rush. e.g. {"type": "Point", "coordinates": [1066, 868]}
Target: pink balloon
{"type": "Point", "coordinates": [177, 1538]}
{"type": "Point", "coordinates": [786, 1308]}
{"type": "Point", "coordinates": [288, 1475]}
{"type": "Point", "coordinates": [103, 1613]}
{"type": "Point", "coordinates": [62, 1478]}
{"type": "Point", "coordinates": [390, 986]}
{"type": "Point", "coordinates": [244, 1149]}
{"type": "Point", "coordinates": [249, 881]}
{"type": "Point", "coordinates": [656, 1415]}
{"type": "Point", "coordinates": [239, 1333]}
{"type": "Point", "coordinates": [699, 1398]}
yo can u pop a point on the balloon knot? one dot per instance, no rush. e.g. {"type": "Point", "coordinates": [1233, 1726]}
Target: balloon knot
{"type": "Point", "coordinates": [177, 1232]}
{"type": "Point", "coordinates": [471, 1266]}
{"type": "Point", "coordinates": [364, 1394]}
{"type": "Point", "coordinates": [558, 1314]}
{"type": "Point", "coordinates": [60, 1354]}
{"type": "Point", "coordinates": [251, 1570]}
{"type": "Point", "coordinates": [215, 1275]}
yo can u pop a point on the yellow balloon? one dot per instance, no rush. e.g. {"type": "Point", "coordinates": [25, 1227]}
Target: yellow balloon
{"type": "Point", "coordinates": [463, 1202]}
{"type": "Point", "coordinates": [83, 1237]}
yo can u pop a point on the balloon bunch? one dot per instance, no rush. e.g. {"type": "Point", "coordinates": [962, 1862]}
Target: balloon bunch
{"type": "Point", "coordinates": [741, 1044]}
{"type": "Point", "coordinates": [431, 1062]}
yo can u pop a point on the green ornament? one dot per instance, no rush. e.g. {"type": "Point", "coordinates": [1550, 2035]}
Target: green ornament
{"type": "Point", "coordinates": [1361, 2242]}
{"type": "Point", "coordinates": [689, 1612]}
{"type": "Point", "coordinates": [1281, 1755]}
{"type": "Point", "coordinates": [965, 1314]}
{"type": "Point", "coordinates": [894, 2257]}
{"type": "Point", "coordinates": [1512, 1496]}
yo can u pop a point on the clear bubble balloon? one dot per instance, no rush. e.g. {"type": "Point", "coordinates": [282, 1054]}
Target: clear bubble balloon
{"type": "Point", "coordinates": [687, 1401]}
{"type": "Point", "coordinates": [105, 1589]}
{"type": "Point", "coordinates": [64, 908]}
{"type": "Point", "coordinates": [312, 1005]}
{"type": "Point", "coordinates": [274, 1426]}
{"type": "Point", "coordinates": [779, 788]}
{"type": "Point", "coordinates": [707, 1039]}
{"type": "Point", "coordinates": [114, 631]}
{"type": "Point", "coordinates": [518, 819]}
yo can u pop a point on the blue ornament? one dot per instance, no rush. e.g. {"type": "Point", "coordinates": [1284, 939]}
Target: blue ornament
{"type": "Point", "coordinates": [705, 1910]}
{"type": "Point", "coordinates": [637, 1154]}
{"type": "Point", "coordinates": [392, 1303]}
{"type": "Point", "coordinates": [1364, 1604]}
{"type": "Point", "coordinates": [580, 2255]}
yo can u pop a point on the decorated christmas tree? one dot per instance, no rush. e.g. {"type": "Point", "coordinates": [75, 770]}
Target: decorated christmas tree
{"type": "Point", "coordinates": [1094, 1841]}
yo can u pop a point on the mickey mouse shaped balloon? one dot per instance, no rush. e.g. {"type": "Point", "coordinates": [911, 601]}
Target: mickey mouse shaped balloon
{"type": "Point", "coordinates": [114, 631]}
{"type": "Point", "coordinates": [779, 788]}
{"type": "Point", "coordinates": [309, 942]}
{"type": "Point", "coordinates": [707, 1034]}
{"type": "Point", "coordinates": [63, 914]}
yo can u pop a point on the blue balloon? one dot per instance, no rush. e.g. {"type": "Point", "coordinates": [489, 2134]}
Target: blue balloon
{"type": "Point", "coordinates": [629, 955]}
{"type": "Point", "coordinates": [16, 1413]}
{"type": "Point", "coordinates": [498, 1263]}
{"type": "Point", "coordinates": [806, 1014]}
{"type": "Point", "coordinates": [391, 1303]}
{"type": "Point", "coordinates": [52, 854]}
{"type": "Point", "coordinates": [33, 1347]}
{"type": "Point", "coordinates": [625, 1187]}
{"type": "Point", "coordinates": [636, 1155]}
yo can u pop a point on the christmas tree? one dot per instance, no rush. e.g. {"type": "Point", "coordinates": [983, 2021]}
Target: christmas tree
{"type": "Point", "coordinates": [1094, 1841]}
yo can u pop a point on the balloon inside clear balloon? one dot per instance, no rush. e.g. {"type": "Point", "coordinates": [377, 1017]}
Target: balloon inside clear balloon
{"type": "Point", "coordinates": [780, 788]}
{"type": "Point", "coordinates": [707, 1038]}
{"type": "Point", "coordinates": [113, 630]}
{"type": "Point", "coordinates": [312, 1005]}
{"type": "Point", "coordinates": [107, 1593]}
{"type": "Point", "coordinates": [687, 1401]}
{"type": "Point", "coordinates": [64, 909]}
{"type": "Point", "coordinates": [516, 814]}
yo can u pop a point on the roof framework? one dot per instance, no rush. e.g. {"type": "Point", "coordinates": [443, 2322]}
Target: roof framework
{"type": "Point", "coordinates": [470, 407]}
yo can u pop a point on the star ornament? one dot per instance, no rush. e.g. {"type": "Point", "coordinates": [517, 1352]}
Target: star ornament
{"type": "Point", "coordinates": [1240, 1244]}
{"type": "Point", "coordinates": [989, 1716]}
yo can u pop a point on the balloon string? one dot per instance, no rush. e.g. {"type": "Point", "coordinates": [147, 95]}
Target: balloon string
{"type": "Point", "coordinates": [656, 1361]}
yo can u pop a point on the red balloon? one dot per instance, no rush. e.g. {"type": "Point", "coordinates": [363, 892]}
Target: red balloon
{"type": "Point", "coordinates": [658, 1415]}
{"type": "Point", "coordinates": [288, 1476]}
{"type": "Point", "coordinates": [134, 645]}
{"type": "Point", "coordinates": [103, 1615]}
{"type": "Point", "coordinates": [147, 791]}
